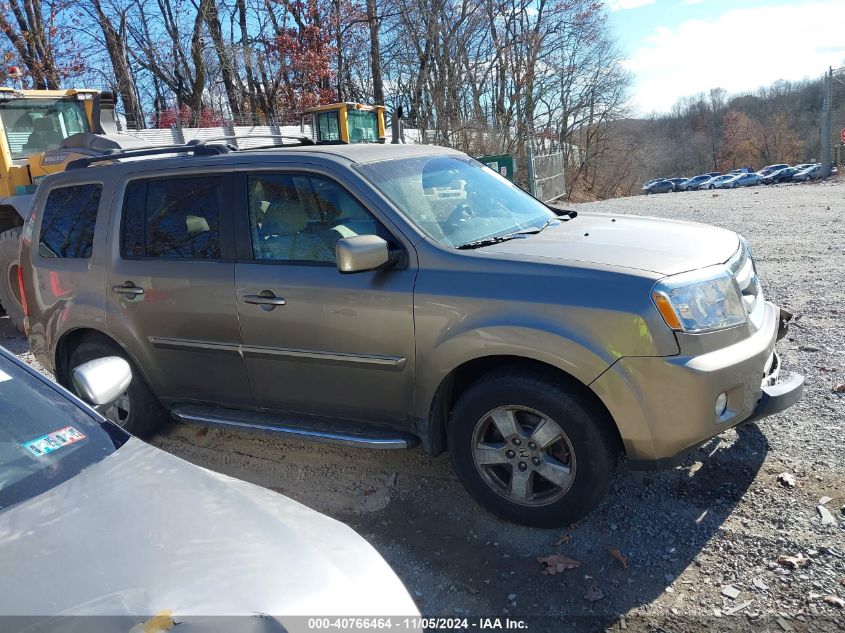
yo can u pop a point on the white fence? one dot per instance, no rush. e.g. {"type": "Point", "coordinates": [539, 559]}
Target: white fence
{"type": "Point", "coordinates": [241, 136]}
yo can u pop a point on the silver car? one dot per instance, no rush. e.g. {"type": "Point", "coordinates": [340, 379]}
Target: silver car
{"type": "Point", "coordinates": [717, 182]}
{"type": "Point", "coordinates": [813, 172]}
{"type": "Point", "coordinates": [393, 295]}
{"type": "Point", "coordinates": [94, 522]}
{"type": "Point", "coordinates": [743, 180]}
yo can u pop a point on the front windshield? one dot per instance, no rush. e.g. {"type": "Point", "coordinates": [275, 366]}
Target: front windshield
{"type": "Point", "coordinates": [456, 200]}
{"type": "Point", "coordinates": [45, 439]}
{"type": "Point", "coordinates": [35, 125]}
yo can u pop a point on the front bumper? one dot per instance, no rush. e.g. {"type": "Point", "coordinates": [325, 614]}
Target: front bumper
{"type": "Point", "coordinates": [664, 407]}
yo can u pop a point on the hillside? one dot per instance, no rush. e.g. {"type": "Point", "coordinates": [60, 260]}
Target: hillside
{"type": "Point", "coordinates": [708, 132]}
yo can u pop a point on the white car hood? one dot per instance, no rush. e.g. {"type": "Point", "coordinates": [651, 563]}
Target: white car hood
{"type": "Point", "coordinates": [143, 531]}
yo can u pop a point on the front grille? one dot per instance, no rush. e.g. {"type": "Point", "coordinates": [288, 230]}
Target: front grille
{"type": "Point", "coordinates": [744, 272]}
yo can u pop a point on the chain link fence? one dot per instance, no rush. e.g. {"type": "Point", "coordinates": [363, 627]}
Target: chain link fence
{"type": "Point", "coordinates": [546, 176]}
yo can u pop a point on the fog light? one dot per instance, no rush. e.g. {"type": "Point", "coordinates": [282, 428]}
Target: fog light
{"type": "Point", "coordinates": [721, 404]}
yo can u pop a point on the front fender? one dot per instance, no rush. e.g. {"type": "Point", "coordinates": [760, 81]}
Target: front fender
{"type": "Point", "coordinates": [579, 320]}
{"type": "Point", "coordinates": [556, 349]}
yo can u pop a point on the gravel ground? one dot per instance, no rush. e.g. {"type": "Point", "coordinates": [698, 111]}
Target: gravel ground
{"type": "Point", "coordinates": [701, 542]}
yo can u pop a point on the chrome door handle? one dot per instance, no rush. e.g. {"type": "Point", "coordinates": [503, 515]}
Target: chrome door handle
{"type": "Point", "coordinates": [264, 298]}
{"type": "Point", "coordinates": [128, 289]}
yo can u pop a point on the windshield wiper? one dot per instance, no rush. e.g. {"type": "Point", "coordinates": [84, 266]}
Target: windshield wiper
{"type": "Point", "coordinates": [497, 239]}
{"type": "Point", "coordinates": [487, 241]}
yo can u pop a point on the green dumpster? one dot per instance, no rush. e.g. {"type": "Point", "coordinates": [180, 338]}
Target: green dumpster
{"type": "Point", "coordinates": [501, 163]}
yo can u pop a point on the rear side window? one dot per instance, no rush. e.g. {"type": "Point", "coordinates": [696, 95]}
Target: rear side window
{"type": "Point", "coordinates": [174, 218]}
{"type": "Point", "coordinates": [67, 226]}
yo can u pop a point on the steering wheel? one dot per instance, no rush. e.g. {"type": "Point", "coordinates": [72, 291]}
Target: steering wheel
{"type": "Point", "coordinates": [460, 213]}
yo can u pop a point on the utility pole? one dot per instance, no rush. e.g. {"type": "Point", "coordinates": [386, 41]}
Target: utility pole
{"type": "Point", "coordinates": [826, 123]}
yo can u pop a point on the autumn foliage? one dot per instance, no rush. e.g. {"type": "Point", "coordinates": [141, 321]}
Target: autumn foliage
{"type": "Point", "coordinates": [747, 142]}
{"type": "Point", "coordinates": [183, 116]}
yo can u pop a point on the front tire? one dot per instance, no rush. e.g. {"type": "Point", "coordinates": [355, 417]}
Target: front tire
{"type": "Point", "coordinates": [137, 410]}
{"type": "Point", "coordinates": [531, 450]}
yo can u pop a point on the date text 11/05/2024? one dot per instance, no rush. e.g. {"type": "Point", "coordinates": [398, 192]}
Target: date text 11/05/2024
{"type": "Point", "coordinates": [417, 623]}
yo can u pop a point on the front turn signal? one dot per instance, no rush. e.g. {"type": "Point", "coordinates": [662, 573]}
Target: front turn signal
{"type": "Point", "coordinates": [664, 306]}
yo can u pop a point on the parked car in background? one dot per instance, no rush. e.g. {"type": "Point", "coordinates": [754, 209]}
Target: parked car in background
{"type": "Point", "coordinates": [741, 170]}
{"type": "Point", "coordinates": [653, 180]}
{"type": "Point", "coordinates": [768, 169]}
{"type": "Point", "coordinates": [677, 183]}
{"type": "Point", "coordinates": [781, 175]}
{"type": "Point", "coordinates": [728, 182]}
{"type": "Point", "coordinates": [692, 183]}
{"type": "Point", "coordinates": [809, 173]}
{"type": "Point", "coordinates": [713, 174]}
{"type": "Point", "coordinates": [121, 528]}
{"type": "Point", "coordinates": [717, 182]}
{"type": "Point", "coordinates": [659, 186]}
{"type": "Point", "coordinates": [803, 166]}
{"type": "Point", "coordinates": [745, 179]}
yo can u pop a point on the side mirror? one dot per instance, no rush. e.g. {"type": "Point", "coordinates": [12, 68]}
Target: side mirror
{"type": "Point", "coordinates": [102, 381]}
{"type": "Point", "coordinates": [361, 253]}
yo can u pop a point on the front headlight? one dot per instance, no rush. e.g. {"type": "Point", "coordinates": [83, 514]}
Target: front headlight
{"type": "Point", "coordinates": [701, 301]}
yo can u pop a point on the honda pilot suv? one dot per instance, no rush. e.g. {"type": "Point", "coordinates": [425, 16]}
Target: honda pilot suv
{"type": "Point", "coordinates": [389, 295]}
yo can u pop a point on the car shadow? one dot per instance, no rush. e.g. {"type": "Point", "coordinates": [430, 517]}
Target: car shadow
{"type": "Point", "coordinates": [474, 564]}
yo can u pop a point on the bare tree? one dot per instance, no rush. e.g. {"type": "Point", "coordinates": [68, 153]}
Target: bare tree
{"type": "Point", "coordinates": [28, 25]}
{"type": "Point", "coordinates": [114, 40]}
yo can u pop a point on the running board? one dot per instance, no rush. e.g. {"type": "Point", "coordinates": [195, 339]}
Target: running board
{"type": "Point", "coordinates": [325, 430]}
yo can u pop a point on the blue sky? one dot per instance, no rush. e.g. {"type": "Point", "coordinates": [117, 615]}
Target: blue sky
{"type": "Point", "coordinates": [678, 48]}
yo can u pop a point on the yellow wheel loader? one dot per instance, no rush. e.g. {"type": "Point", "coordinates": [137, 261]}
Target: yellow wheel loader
{"type": "Point", "coordinates": [40, 132]}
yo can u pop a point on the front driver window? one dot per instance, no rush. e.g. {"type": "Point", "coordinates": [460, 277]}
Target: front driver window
{"type": "Point", "coordinates": [300, 218]}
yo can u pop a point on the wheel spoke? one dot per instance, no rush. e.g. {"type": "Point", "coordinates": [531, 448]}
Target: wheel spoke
{"type": "Point", "coordinates": [520, 486]}
{"type": "Point", "coordinates": [546, 434]}
{"type": "Point", "coordinates": [505, 422]}
{"type": "Point", "coordinates": [490, 455]}
{"type": "Point", "coordinates": [557, 473]}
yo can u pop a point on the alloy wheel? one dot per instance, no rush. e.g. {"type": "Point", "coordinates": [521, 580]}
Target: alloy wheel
{"type": "Point", "coordinates": [523, 455]}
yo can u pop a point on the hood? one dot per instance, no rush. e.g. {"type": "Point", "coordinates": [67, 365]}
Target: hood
{"type": "Point", "coordinates": [664, 247]}
{"type": "Point", "coordinates": [143, 531]}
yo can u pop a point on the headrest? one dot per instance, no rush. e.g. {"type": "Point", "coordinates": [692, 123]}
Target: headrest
{"type": "Point", "coordinates": [196, 224]}
{"type": "Point", "coordinates": [284, 218]}
{"type": "Point", "coordinates": [44, 124]}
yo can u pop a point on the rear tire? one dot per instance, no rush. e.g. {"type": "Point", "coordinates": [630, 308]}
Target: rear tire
{"type": "Point", "coordinates": [10, 293]}
{"type": "Point", "coordinates": [513, 428]}
{"type": "Point", "coordinates": [138, 411]}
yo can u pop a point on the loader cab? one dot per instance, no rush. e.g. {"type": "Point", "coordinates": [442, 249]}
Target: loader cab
{"type": "Point", "coordinates": [344, 123]}
{"type": "Point", "coordinates": [33, 122]}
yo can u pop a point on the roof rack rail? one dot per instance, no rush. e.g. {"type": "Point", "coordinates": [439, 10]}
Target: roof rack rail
{"type": "Point", "coordinates": [191, 147]}
{"type": "Point", "coordinates": [300, 139]}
